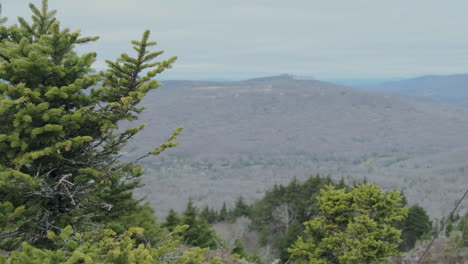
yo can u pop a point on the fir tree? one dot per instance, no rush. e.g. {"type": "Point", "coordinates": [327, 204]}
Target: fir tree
{"type": "Point", "coordinates": [289, 238]}
{"type": "Point", "coordinates": [59, 135]}
{"type": "Point", "coordinates": [199, 232]}
{"type": "Point", "coordinates": [353, 227]}
{"type": "Point", "coordinates": [172, 220]}
{"type": "Point", "coordinates": [414, 226]}
{"type": "Point", "coordinates": [240, 208]}
{"type": "Point", "coordinates": [223, 213]}
{"type": "Point", "coordinates": [341, 184]}
{"type": "Point", "coordinates": [208, 214]}
{"type": "Point", "coordinates": [212, 216]}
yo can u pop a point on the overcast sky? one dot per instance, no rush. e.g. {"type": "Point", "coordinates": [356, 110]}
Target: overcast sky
{"type": "Point", "coordinates": [247, 38]}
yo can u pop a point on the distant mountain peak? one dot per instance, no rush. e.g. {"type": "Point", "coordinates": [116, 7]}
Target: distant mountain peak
{"type": "Point", "coordinates": [443, 88]}
{"type": "Point", "coordinates": [281, 77]}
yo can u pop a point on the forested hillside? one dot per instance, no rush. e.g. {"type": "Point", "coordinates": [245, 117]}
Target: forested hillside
{"type": "Point", "coordinates": [253, 134]}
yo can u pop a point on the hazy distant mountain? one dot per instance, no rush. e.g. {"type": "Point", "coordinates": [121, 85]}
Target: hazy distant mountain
{"type": "Point", "coordinates": [241, 138]}
{"type": "Point", "coordinates": [449, 88]}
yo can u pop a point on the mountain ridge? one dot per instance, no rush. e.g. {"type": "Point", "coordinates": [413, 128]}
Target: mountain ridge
{"type": "Point", "coordinates": [442, 88]}
{"type": "Point", "coordinates": [242, 137]}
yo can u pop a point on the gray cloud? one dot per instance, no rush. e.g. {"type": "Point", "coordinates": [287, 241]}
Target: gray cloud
{"type": "Point", "coordinates": [236, 39]}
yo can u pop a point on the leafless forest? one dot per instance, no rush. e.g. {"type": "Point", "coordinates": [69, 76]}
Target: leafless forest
{"type": "Point", "coordinates": [241, 138]}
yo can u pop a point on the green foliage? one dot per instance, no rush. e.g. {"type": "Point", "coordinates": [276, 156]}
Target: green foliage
{"type": "Point", "coordinates": [462, 227]}
{"type": "Point", "coordinates": [59, 137]}
{"type": "Point", "coordinates": [223, 213]}
{"type": "Point", "coordinates": [172, 221]}
{"type": "Point", "coordinates": [240, 209]}
{"type": "Point", "coordinates": [341, 184]}
{"type": "Point", "coordinates": [355, 226]}
{"type": "Point", "coordinates": [107, 247]}
{"type": "Point", "coordinates": [239, 248]}
{"type": "Point", "coordinates": [280, 213]}
{"type": "Point", "coordinates": [209, 214]}
{"type": "Point", "coordinates": [416, 224]}
{"type": "Point", "coordinates": [239, 251]}
{"type": "Point", "coordinates": [141, 216]}
{"type": "Point", "coordinates": [449, 227]}
{"type": "Point", "coordinates": [285, 241]}
{"type": "Point", "coordinates": [199, 232]}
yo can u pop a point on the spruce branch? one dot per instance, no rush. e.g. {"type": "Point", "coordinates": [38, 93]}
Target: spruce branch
{"type": "Point", "coordinates": [168, 144]}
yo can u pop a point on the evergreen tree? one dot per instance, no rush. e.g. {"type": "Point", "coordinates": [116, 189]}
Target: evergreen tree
{"type": "Point", "coordinates": [414, 226]}
{"type": "Point", "coordinates": [449, 227]}
{"type": "Point", "coordinates": [199, 232]}
{"type": "Point", "coordinates": [239, 248]}
{"type": "Point", "coordinates": [190, 215]}
{"type": "Point", "coordinates": [172, 221]}
{"type": "Point", "coordinates": [107, 247]}
{"type": "Point", "coordinates": [341, 184]}
{"type": "Point", "coordinates": [59, 135]}
{"type": "Point", "coordinates": [223, 213]}
{"type": "Point", "coordinates": [463, 228]}
{"type": "Point", "coordinates": [287, 240]}
{"type": "Point", "coordinates": [353, 227]}
{"type": "Point", "coordinates": [140, 216]}
{"type": "Point", "coordinates": [435, 229]}
{"type": "Point", "coordinates": [279, 215]}
{"type": "Point", "coordinates": [240, 208]}
{"type": "Point", "coordinates": [212, 216]}
{"type": "Point", "coordinates": [208, 214]}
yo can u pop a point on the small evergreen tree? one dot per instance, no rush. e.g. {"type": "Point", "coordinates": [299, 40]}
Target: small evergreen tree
{"type": "Point", "coordinates": [279, 215]}
{"type": "Point", "coordinates": [353, 227]}
{"type": "Point", "coordinates": [287, 240]}
{"type": "Point", "coordinates": [435, 229]}
{"type": "Point", "coordinates": [449, 227]}
{"type": "Point", "coordinates": [341, 184]}
{"type": "Point", "coordinates": [239, 248]}
{"type": "Point", "coordinates": [240, 209]}
{"type": "Point", "coordinates": [199, 232]}
{"type": "Point", "coordinates": [414, 226]}
{"type": "Point", "coordinates": [172, 220]}
{"type": "Point", "coordinates": [463, 228]}
{"type": "Point", "coordinates": [223, 213]}
{"type": "Point", "coordinates": [212, 216]}
{"type": "Point", "coordinates": [208, 214]}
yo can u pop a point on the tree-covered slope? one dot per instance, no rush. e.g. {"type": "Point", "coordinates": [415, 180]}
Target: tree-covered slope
{"type": "Point", "coordinates": [241, 138]}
